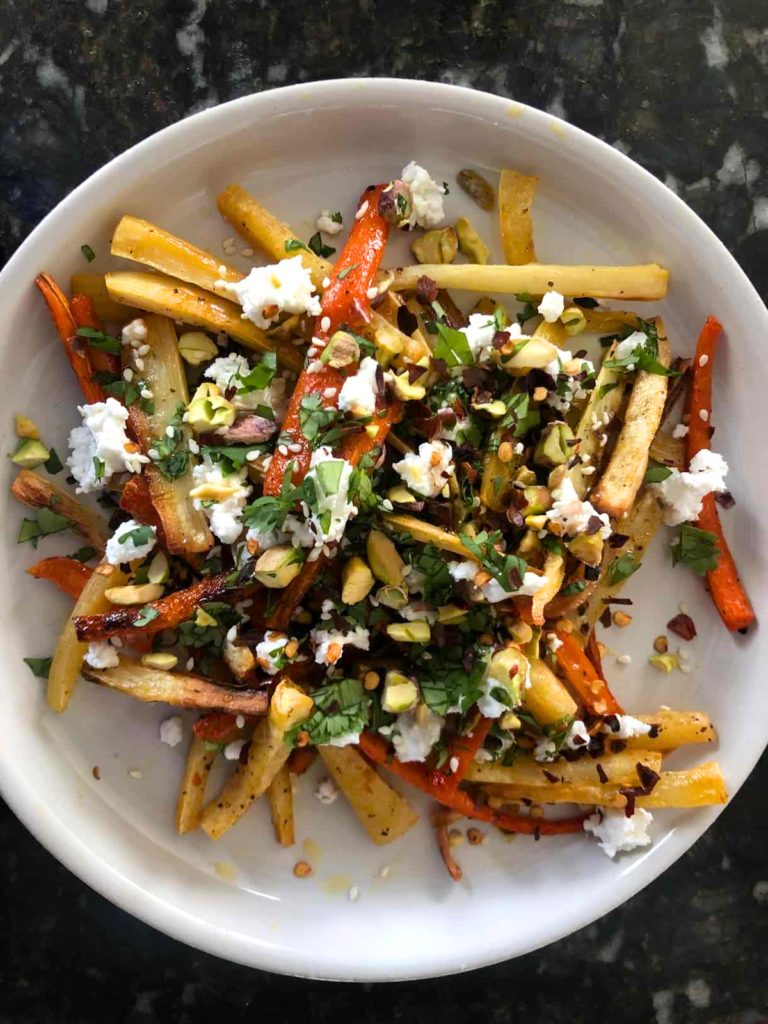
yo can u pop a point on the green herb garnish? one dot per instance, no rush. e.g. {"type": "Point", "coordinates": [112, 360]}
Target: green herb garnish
{"type": "Point", "coordinates": [100, 340]}
{"type": "Point", "coordinates": [319, 248]}
{"type": "Point", "coordinates": [621, 569]}
{"type": "Point", "coordinates": [41, 667]}
{"type": "Point", "coordinates": [697, 549]}
{"type": "Point", "coordinates": [88, 252]}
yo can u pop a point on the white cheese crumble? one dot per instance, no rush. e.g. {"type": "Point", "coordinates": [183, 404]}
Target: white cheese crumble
{"type": "Point", "coordinates": [427, 196]}
{"type": "Point", "coordinates": [358, 393]}
{"type": "Point", "coordinates": [266, 540]}
{"type": "Point", "coordinates": [629, 727]}
{"type": "Point", "coordinates": [270, 652]}
{"type": "Point", "coordinates": [573, 514]}
{"type": "Point", "coordinates": [324, 525]}
{"type": "Point", "coordinates": [415, 733]}
{"type": "Point", "coordinates": [119, 550]}
{"type": "Point", "coordinates": [326, 791]}
{"type": "Point", "coordinates": [577, 738]}
{"type": "Point", "coordinates": [327, 641]}
{"type": "Point", "coordinates": [479, 333]}
{"type": "Point", "coordinates": [101, 654]}
{"type": "Point", "coordinates": [682, 494]}
{"type": "Point", "coordinates": [171, 731]}
{"type": "Point", "coordinates": [226, 370]}
{"type": "Point", "coordinates": [492, 591]}
{"type": "Point", "coordinates": [681, 430]}
{"type": "Point", "coordinates": [427, 471]}
{"type": "Point", "coordinates": [617, 833]}
{"type": "Point", "coordinates": [488, 705]}
{"type": "Point", "coordinates": [134, 333]}
{"type": "Point", "coordinates": [224, 514]}
{"type": "Point", "coordinates": [552, 306]}
{"type": "Point", "coordinates": [554, 643]}
{"type": "Point", "coordinates": [102, 441]}
{"type": "Point", "coordinates": [328, 226]}
{"type": "Point", "coordinates": [286, 285]}
{"type": "Point", "coordinates": [347, 739]}
{"type": "Point", "coordinates": [627, 347]}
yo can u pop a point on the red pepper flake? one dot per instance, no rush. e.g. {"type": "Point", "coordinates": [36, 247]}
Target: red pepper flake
{"type": "Point", "coordinates": [682, 625]}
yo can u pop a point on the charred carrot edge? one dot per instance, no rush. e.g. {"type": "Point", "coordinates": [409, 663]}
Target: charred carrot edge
{"type": "Point", "coordinates": [728, 593]}
{"type": "Point", "coordinates": [592, 651]}
{"type": "Point", "coordinates": [60, 311]}
{"type": "Point", "coordinates": [137, 502]}
{"type": "Point", "coordinates": [300, 759]}
{"type": "Point", "coordinates": [377, 750]}
{"type": "Point", "coordinates": [579, 672]}
{"type": "Point", "coordinates": [463, 748]}
{"type": "Point", "coordinates": [84, 315]}
{"type": "Point", "coordinates": [68, 574]}
{"type": "Point", "coordinates": [214, 726]}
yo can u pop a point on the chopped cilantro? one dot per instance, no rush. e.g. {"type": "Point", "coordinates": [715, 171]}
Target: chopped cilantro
{"type": "Point", "coordinates": [347, 270]}
{"type": "Point", "coordinates": [45, 523]}
{"type": "Point", "coordinates": [573, 588]}
{"type": "Point", "coordinates": [507, 570]}
{"type": "Point", "coordinates": [100, 340]}
{"type": "Point", "coordinates": [697, 549]}
{"type": "Point", "coordinates": [438, 584]}
{"type": "Point", "coordinates": [445, 683]}
{"type": "Point", "coordinates": [54, 464]}
{"type": "Point", "coordinates": [231, 457]}
{"type": "Point", "coordinates": [656, 473]}
{"type": "Point", "coordinates": [172, 456]}
{"type": "Point", "coordinates": [621, 568]}
{"type": "Point", "coordinates": [84, 554]}
{"type": "Point", "coordinates": [260, 376]}
{"type": "Point", "coordinates": [294, 245]}
{"type": "Point", "coordinates": [313, 416]}
{"type": "Point", "coordinates": [40, 667]}
{"type": "Point", "coordinates": [211, 637]}
{"type": "Point", "coordinates": [98, 467]}
{"type": "Point", "coordinates": [452, 346]}
{"type": "Point", "coordinates": [319, 248]}
{"type": "Point", "coordinates": [343, 706]}
{"type": "Point", "coordinates": [88, 252]}
{"type": "Point", "coordinates": [644, 357]}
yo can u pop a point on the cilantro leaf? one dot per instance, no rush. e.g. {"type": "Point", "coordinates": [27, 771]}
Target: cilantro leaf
{"type": "Point", "coordinates": [88, 252]}
{"type": "Point", "coordinates": [260, 376]}
{"type": "Point", "coordinates": [445, 683]}
{"type": "Point", "coordinates": [146, 615]}
{"type": "Point", "coordinates": [508, 570]}
{"type": "Point", "coordinates": [452, 346]}
{"type": "Point", "coordinates": [621, 568]}
{"type": "Point", "coordinates": [343, 706]}
{"type": "Point", "coordinates": [100, 340]}
{"type": "Point", "coordinates": [40, 667]}
{"type": "Point", "coordinates": [644, 356]}
{"type": "Point", "coordinates": [84, 554]}
{"type": "Point", "coordinates": [573, 588]}
{"type": "Point", "coordinates": [313, 416]}
{"type": "Point", "coordinates": [438, 584]}
{"type": "Point", "coordinates": [697, 549]}
{"type": "Point", "coordinates": [172, 456]}
{"type": "Point", "coordinates": [54, 464]}
{"type": "Point", "coordinates": [294, 245]}
{"type": "Point", "coordinates": [347, 270]}
{"type": "Point", "coordinates": [45, 523]}
{"type": "Point", "coordinates": [319, 248]}
{"type": "Point", "coordinates": [656, 473]}
{"type": "Point", "coordinates": [231, 457]}
{"type": "Point", "coordinates": [211, 637]}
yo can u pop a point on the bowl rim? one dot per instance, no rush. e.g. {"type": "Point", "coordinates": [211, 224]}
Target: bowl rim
{"type": "Point", "coordinates": [58, 837]}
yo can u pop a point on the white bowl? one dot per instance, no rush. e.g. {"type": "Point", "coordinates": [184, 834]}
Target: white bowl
{"type": "Point", "coordinates": [302, 149]}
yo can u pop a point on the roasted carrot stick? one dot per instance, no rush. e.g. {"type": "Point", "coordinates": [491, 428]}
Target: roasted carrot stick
{"type": "Point", "coordinates": [300, 760]}
{"type": "Point", "coordinates": [84, 315]}
{"type": "Point", "coordinates": [580, 673]}
{"type": "Point", "coordinates": [463, 749]}
{"type": "Point", "coordinates": [137, 502]}
{"type": "Point", "coordinates": [68, 574]}
{"type": "Point", "coordinates": [377, 750]}
{"type": "Point", "coordinates": [726, 589]}
{"type": "Point", "coordinates": [215, 726]}
{"type": "Point", "coordinates": [77, 352]}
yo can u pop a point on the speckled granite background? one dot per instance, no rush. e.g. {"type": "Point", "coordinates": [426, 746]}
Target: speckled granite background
{"type": "Point", "coordinates": [680, 85]}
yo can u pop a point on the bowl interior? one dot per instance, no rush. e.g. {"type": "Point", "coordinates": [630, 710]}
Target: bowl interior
{"type": "Point", "coordinates": [300, 150]}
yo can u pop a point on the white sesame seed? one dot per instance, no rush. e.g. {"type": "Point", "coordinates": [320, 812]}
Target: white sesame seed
{"type": "Point", "coordinates": [265, 464]}
{"type": "Point", "coordinates": [354, 892]}
{"type": "Point", "coordinates": [169, 431]}
{"type": "Point", "coordinates": [139, 364]}
{"type": "Point", "coordinates": [295, 448]}
{"type": "Point", "coordinates": [325, 323]}
{"type": "Point", "coordinates": [229, 242]}
{"type": "Point", "coordinates": [362, 211]}
{"type": "Point", "coordinates": [116, 642]}
{"type": "Point", "coordinates": [128, 374]}
{"type": "Point", "coordinates": [406, 570]}
{"type": "Point", "coordinates": [624, 659]}
{"type": "Point", "coordinates": [282, 449]}
{"type": "Point", "coordinates": [329, 393]}
{"type": "Point", "coordinates": [222, 270]}
{"type": "Point", "coordinates": [703, 360]}
{"type": "Point", "coordinates": [683, 608]}
{"type": "Point", "coordinates": [247, 253]}
{"type": "Point", "coordinates": [251, 456]}
{"type": "Point", "coordinates": [315, 366]}
{"type": "Point", "coordinates": [194, 447]}
{"type": "Point", "coordinates": [683, 654]}
{"type": "Point", "coordinates": [231, 633]}
{"type": "Point", "coordinates": [185, 418]}
{"type": "Point", "coordinates": [153, 453]}
{"type": "Point", "coordinates": [685, 669]}
{"type": "Point", "coordinates": [135, 773]}
{"type": "Point", "coordinates": [146, 393]}
{"type": "Point", "coordinates": [326, 282]}
{"type": "Point", "coordinates": [453, 764]}
{"type": "Point", "coordinates": [384, 871]}
{"type": "Point", "coordinates": [586, 459]}
{"type": "Point", "coordinates": [240, 721]}
{"type": "Point", "coordinates": [144, 350]}
{"type": "Point", "coordinates": [387, 504]}
{"type": "Point", "coordinates": [588, 470]}
{"type": "Point", "coordinates": [372, 293]}
{"type": "Point", "coordinates": [703, 415]}
{"type": "Point", "coordinates": [190, 664]}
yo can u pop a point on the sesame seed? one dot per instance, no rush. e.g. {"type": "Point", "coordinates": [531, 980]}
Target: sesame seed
{"type": "Point", "coordinates": [406, 570]}
{"type": "Point", "coordinates": [135, 773]}
{"type": "Point", "coordinates": [247, 253]}
{"type": "Point", "coordinates": [116, 642]}
{"type": "Point", "coordinates": [588, 470]}
{"type": "Point", "coordinates": [266, 463]}
{"type": "Point", "coordinates": [684, 655]}
{"type": "Point", "coordinates": [128, 374]}
{"type": "Point", "coordinates": [326, 282]}
{"type": "Point", "coordinates": [329, 393]}
{"type": "Point", "coordinates": [384, 871]}
{"type": "Point", "coordinates": [295, 448]}
{"type": "Point", "coordinates": [354, 892]}
{"type": "Point", "coordinates": [387, 504]}
{"type": "Point", "coordinates": [153, 453]}
{"type": "Point", "coordinates": [145, 350]}
{"type": "Point", "coordinates": [703, 415]}
{"type": "Point", "coordinates": [325, 323]}
{"type": "Point", "coordinates": [683, 608]}
{"type": "Point", "coordinates": [231, 634]}
{"type": "Point", "coordinates": [685, 669]}
{"type": "Point", "coordinates": [362, 211]}
{"type": "Point", "coordinates": [283, 449]}
{"type": "Point", "coordinates": [703, 360]}
{"type": "Point", "coordinates": [169, 431]}
{"type": "Point", "coordinates": [251, 456]}
{"type": "Point", "coordinates": [190, 664]}
{"type": "Point", "coordinates": [624, 659]}
{"type": "Point", "coordinates": [194, 447]}
{"type": "Point", "coordinates": [240, 721]}
{"type": "Point", "coordinates": [222, 270]}
{"type": "Point", "coordinates": [372, 293]}
{"type": "Point", "coordinates": [139, 364]}
{"type": "Point", "coordinates": [229, 242]}
{"type": "Point", "coordinates": [146, 393]}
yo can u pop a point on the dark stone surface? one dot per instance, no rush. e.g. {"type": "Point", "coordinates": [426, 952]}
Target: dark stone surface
{"type": "Point", "coordinates": [682, 85]}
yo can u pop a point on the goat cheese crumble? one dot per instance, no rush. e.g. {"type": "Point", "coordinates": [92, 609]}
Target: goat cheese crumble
{"type": "Point", "coordinates": [427, 471]}
{"type": "Point", "coordinates": [270, 652]}
{"type": "Point", "coordinates": [102, 442]}
{"type": "Point", "coordinates": [552, 306]}
{"type": "Point", "coordinates": [572, 388]}
{"type": "Point", "coordinates": [415, 733]}
{"type": "Point", "coordinates": [171, 731]}
{"type": "Point", "coordinates": [682, 494]}
{"type": "Point", "coordinates": [222, 498]}
{"type": "Point", "coordinates": [327, 225]}
{"type": "Point", "coordinates": [134, 333]}
{"type": "Point", "coordinates": [121, 548]}
{"type": "Point", "coordinates": [492, 591]}
{"type": "Point", "coordinates": [358, 393]}
{"type": "Point", "coordinates": [326, 523]}
{"type": "Point", "coordinates": [616, 833]}
{"type": "Point", "coordinates": [326, 791]}
{"type": "Point", "coordinates": [101, 654]}
{"type": "Point", "coordinates": [573, 514]}
{"type": "Point", "coordinates": [627, 727]}
{"type": "Point", "coordinates": [225, 373]}
{"type": "Point", "coordinates": [330, 644]}
{"type": "Point", "coordinates": [427, 196]}
{"type": "Point", "coordinates": [283, 287]}
{"type": "Point", "coordinates": [577, 738]}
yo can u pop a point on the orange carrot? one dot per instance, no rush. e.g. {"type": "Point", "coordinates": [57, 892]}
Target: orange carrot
{"type": "Point", "coordinates": [68, 574]}
{"type": "Point", "coordinates": [726, 589]}
{"type": "Point", "coordinates": [300, 759]}
{"type": "Point", "coordinates": [463, 749]}
{"type": "Point", "coordinates": [377, 750]}
{"type": "Point", "coordinates": [580, 673]}
{"type": "Point", "coordinates": [137, 502]}
{"type": "Point", "coordinates": [84, 315]}
{"type": "Point", "coordinates": [77, 352]}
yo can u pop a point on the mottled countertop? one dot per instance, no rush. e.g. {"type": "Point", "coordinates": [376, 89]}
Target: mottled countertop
{"type": "Point", "coordinates": [679, 85]}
